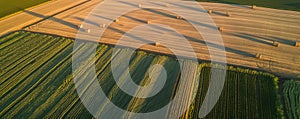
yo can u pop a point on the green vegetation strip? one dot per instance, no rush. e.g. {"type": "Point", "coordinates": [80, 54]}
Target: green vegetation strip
{"type": "Point", "coordinates": [36, 81]}
{"type": "Point", "coordinates": [277, 4]}
{"type": "Point", "coordinates": [12, 6]}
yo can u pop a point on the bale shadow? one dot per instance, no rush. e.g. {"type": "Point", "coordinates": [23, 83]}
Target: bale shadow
{"type": "Point", "coordinates": [253, 38]}
{"type": "Point", "coordinates": [51, 18]}
{"type": "Point", "coordinates": [283, 41]}
{"type": "Point", "coordinates": [87, 21]}
{"type": "Point", "coordinates": [220, 13]}
{"type": "Point", "coordinates": [220, 47]}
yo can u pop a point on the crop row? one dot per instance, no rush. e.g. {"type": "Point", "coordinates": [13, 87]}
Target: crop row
{"type": "Point", "coordinates": [291, 97]}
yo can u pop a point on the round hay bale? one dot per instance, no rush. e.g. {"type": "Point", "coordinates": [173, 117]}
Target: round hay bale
{"type": "Point", "coordinates": [140, 5]}
{"type": "Point", "coordinates": [89, 30]}
{"type": "Point", "coordinates": [209, 11]}
{"type": "Point", "coordinates": [103, 25]}
{"type": "Point", "coordinates": [117, 20]}
{"type": "Point", "coordinates": [80, 26]}
{"type": "Point", "coordinates": [228, 14]}
{"type": "Point", "coordinates": [149, 21]}
{"type": "Point", "coordinates": [276, 43]}
{"type": "Point", "coordinates": [253, 7]}
{"type": "Point", "coordinates": [179, 17]}
{"type": "Point", "coordinates": [221, 29]}
{"type": "Point", "coordinates": [297, 44]}
{"type": "Point", "coordinates": [157, 44]}
{"type": "Point", "coordinates": [259, 56]}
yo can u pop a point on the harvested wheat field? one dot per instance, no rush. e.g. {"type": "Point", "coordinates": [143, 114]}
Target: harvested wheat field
{"type": "Point", "coordinates": [245, 33]}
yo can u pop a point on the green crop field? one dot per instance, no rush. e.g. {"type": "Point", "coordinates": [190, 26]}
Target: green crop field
{"type": "Point", "coordinates": [277, 4]}
{"type": "Point", "coordinates": [246, 94]}
{"type": "Point", "coordinates": [139, 69]}
{"type": "Point", "coordinates": [35, 77]}
{"type": "Point", "coordinates": [291, 97]}
{"type": "Point", "coordinates": [12, 6]}
{"type": "Point", "coordinates": [36, 81]}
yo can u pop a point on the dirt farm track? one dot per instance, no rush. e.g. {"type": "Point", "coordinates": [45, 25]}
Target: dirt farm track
{"type": "Point", "coordinates": [245, 33]}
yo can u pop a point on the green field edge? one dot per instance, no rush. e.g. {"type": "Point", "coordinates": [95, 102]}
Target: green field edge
{"type": "Point", "coordinates": [239, 69]}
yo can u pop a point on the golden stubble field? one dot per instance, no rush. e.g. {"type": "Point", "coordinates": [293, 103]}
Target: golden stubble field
{"type": "Point", "coordinates": [245, 33]}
